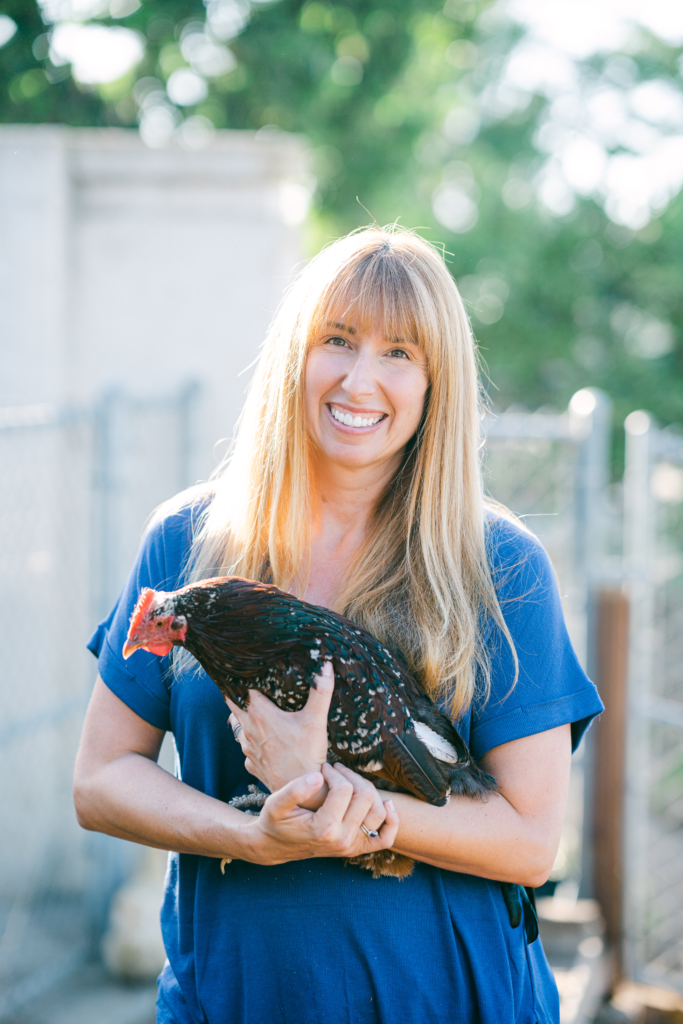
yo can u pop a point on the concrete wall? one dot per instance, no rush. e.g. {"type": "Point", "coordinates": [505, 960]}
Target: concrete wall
{"type": "Point", "coordinates": [120, 267]}
{"type": "Point", "coordinates": [125, 266]}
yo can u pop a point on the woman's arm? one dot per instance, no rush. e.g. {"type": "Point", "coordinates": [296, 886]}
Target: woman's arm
{"type": "Point", "coordinates": [119, 789]}
{"type": "Point", "coordinates": [514, 835]}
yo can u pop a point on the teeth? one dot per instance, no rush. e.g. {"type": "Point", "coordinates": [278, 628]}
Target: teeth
{"type": "Point", "coordinates": [353, 421]}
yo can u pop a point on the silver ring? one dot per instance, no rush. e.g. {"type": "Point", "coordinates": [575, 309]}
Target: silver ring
{"type": "Point", "coordinates": [237, 730]}
{"type": "Point", "coordinates": [370, 833]}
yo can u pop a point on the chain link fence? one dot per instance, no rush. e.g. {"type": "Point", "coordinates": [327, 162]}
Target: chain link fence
{"type": "Point", "coordinates": [653, 863]}
{"type": "Point", "coordinates": [78, 486]}
{"type": "Point", "coordinates": [551, 470]}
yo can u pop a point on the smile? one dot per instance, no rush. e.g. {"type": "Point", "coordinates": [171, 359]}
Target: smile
{"type": "Point", "coordinates": [355, 421]}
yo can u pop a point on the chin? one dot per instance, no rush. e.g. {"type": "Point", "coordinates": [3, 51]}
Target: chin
{"type": "Point", "coordinates": [356, 457]}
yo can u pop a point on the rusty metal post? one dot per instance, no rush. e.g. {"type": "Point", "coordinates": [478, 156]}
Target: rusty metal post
{"type": "Point", "coordinates": [609, 750]}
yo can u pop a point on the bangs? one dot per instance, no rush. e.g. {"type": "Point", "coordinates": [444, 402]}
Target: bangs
{"type": "Point", "coordinates": [377, 289]}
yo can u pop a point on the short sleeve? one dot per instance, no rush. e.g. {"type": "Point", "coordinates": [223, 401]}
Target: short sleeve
{"type": "Point", "coordinates": [552, 688]}
{"type": "Point", "coordinates": [142, 682]}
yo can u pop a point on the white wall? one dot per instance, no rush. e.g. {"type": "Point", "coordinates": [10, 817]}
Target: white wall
{"type": "Point", "coordinates": [125, 266]}
{"type": "Point", "coordinates": [120, 267]}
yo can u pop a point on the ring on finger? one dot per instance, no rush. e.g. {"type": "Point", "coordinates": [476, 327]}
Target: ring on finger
{"type": "Point", "coordinates": [237, 730]}
{"type": "Point", "coordinates": [371, 833]}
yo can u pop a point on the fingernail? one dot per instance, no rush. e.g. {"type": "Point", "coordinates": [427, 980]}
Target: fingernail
{"type": "Point", "coordinates": [314, 779]}
{"type": "Point", "coordinates": [390, 803]}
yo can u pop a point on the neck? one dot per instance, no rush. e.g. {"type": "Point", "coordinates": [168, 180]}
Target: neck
{"type": "Point", "coordinates": [344, 498]}
{"type": "Point", "coordinates": [343, 501]}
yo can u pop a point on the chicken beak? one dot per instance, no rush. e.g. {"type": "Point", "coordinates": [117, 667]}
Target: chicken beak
{"type": "Point", "coordinates": [130, 647]}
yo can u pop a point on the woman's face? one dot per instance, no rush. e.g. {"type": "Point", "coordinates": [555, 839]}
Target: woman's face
{"type": "Point", "coordinates": [364, 394]}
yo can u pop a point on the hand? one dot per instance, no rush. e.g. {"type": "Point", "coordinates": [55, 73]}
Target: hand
{"type": "Point", "coordinates": [285, 831]}
{"type": "Point", "coordinates": [280, 746]}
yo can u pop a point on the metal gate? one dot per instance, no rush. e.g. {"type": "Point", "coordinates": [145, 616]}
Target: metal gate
{"type": "Point", "coordinates": [653, 862]}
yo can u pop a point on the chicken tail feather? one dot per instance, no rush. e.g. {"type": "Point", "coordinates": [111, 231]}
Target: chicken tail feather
{"type": "Point", "coordinates": [416, 770]}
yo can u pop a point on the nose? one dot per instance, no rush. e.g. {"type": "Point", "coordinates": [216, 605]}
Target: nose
{"type": "Point", "coordinates": [360, 381]}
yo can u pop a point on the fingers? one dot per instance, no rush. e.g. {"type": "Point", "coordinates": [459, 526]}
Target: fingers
{"type": "Point", "coordinates": [331, 814]}
{"type": "Point", "coordinates": [347, 803]}
{"type": "Point", "coordinates": [381, 816]}
{"type": "Point", "coordinates": [334, 830]}
{"type": "Point", "coordinates": [389, 830]}
{"type": "Point", "coordinates": [376, 813]}
{"type": "Point", "coordinates": [318, 703]}
{"type": "Point", "coordinates": [281, 803]}
{"type": "Point", "coordinates": [392, 818]}
{"type": "Point", "coordinates": [240, 717]}
{"type": "Point", "coordinates": [361, 804]}
{"type": "Point", "coordinates": [237, 729]}
{"type": "Point", "coordinates": [235, 708]}
{"type": "Point", "coordinates": [234, 720]}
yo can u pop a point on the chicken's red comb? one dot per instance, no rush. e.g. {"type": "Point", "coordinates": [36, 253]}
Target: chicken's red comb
{"type": "Point", "coordinates": [146, 598]}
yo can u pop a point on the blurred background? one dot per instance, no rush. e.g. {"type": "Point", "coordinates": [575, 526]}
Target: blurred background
{"type": "Point", "coordinates": [164, 170]}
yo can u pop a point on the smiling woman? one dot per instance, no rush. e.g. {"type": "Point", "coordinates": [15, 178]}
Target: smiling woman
{"type": "Point", "coordinates": [355, 484]}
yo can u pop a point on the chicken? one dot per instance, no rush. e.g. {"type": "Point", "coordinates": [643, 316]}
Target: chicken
{"type": "Point", "coordinates": [381, 723]}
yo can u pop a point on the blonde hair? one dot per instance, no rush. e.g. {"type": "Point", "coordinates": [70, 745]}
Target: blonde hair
{"type": "Point", "coordinates": [421, 580]}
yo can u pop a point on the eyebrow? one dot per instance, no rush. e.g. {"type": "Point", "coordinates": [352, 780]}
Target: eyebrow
{"type": "Point", "coordinates": [352, 330]}
{"type": "Point", "coordinates": [341, 327]}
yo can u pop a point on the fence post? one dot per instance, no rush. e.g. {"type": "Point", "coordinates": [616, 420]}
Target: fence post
{"type": "Point", "coordinates": [106, 486]}
{"type": "Point", "coordinates": [108, 859]}
{"type": "Point", "coordinates": [638, 553]}
{"type": "Point", "coordinates": [608, 761]}
{"type": "Point", "coordinates": [590, 412]}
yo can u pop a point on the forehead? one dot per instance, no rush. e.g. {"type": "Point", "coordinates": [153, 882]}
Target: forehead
{"type": "Point", "coordinates": [373, 297]}
{"type": "Point", "coordinates": [349, 326]}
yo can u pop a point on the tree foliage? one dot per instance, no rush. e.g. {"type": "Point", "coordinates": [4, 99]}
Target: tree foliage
{"type": "Point", "coordinates": [405, 107]}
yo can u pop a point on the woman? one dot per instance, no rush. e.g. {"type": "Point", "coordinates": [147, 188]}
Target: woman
{"type": "Point", "coordinates": [354, 483]}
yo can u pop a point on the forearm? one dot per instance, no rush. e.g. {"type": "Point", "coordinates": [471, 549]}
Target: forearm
{"type": "Point", "coordinates": [489, 839]}
{"type": "Point", "coordinates": [132, 798]}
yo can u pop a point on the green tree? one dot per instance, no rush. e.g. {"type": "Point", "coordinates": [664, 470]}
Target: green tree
{"type": "Point", "coordinates": [305, 67]}
{"type": "Point", "coordinates": [410, 108]}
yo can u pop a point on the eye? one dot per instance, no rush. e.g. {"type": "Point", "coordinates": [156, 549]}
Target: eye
{"type": "Point", "coordinates": [399, 353]}
{"type": "Point", "coordinates": [158, 624]}
{"type": "Point", "coordinates": [337, 342]}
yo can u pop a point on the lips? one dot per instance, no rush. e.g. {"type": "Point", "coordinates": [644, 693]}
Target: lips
{"type": "Point", "coordinates": [355, 420]}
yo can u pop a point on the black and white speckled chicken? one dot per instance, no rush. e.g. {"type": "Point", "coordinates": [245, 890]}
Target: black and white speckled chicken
{"type": "Point", "coordinates": [381, 723]}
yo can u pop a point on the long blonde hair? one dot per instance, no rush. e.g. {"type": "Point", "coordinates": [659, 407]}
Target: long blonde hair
{"type": "Point", "coordinates": [421, 580]}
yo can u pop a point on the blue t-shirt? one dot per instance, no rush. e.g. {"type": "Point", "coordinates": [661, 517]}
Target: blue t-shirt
{"type": "Point", "coordinates": [315, 941]}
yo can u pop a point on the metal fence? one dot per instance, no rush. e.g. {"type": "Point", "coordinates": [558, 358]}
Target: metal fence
{"type": "Point", "coordinates": [552, 470]}
{"type": "Point", "coordinates": [653, 862]}
{"type": "Point", "coordinates": [77, 486]}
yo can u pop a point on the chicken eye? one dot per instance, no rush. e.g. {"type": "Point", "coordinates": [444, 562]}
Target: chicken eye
{"type": "Point", "coordinates": [159, 624]}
